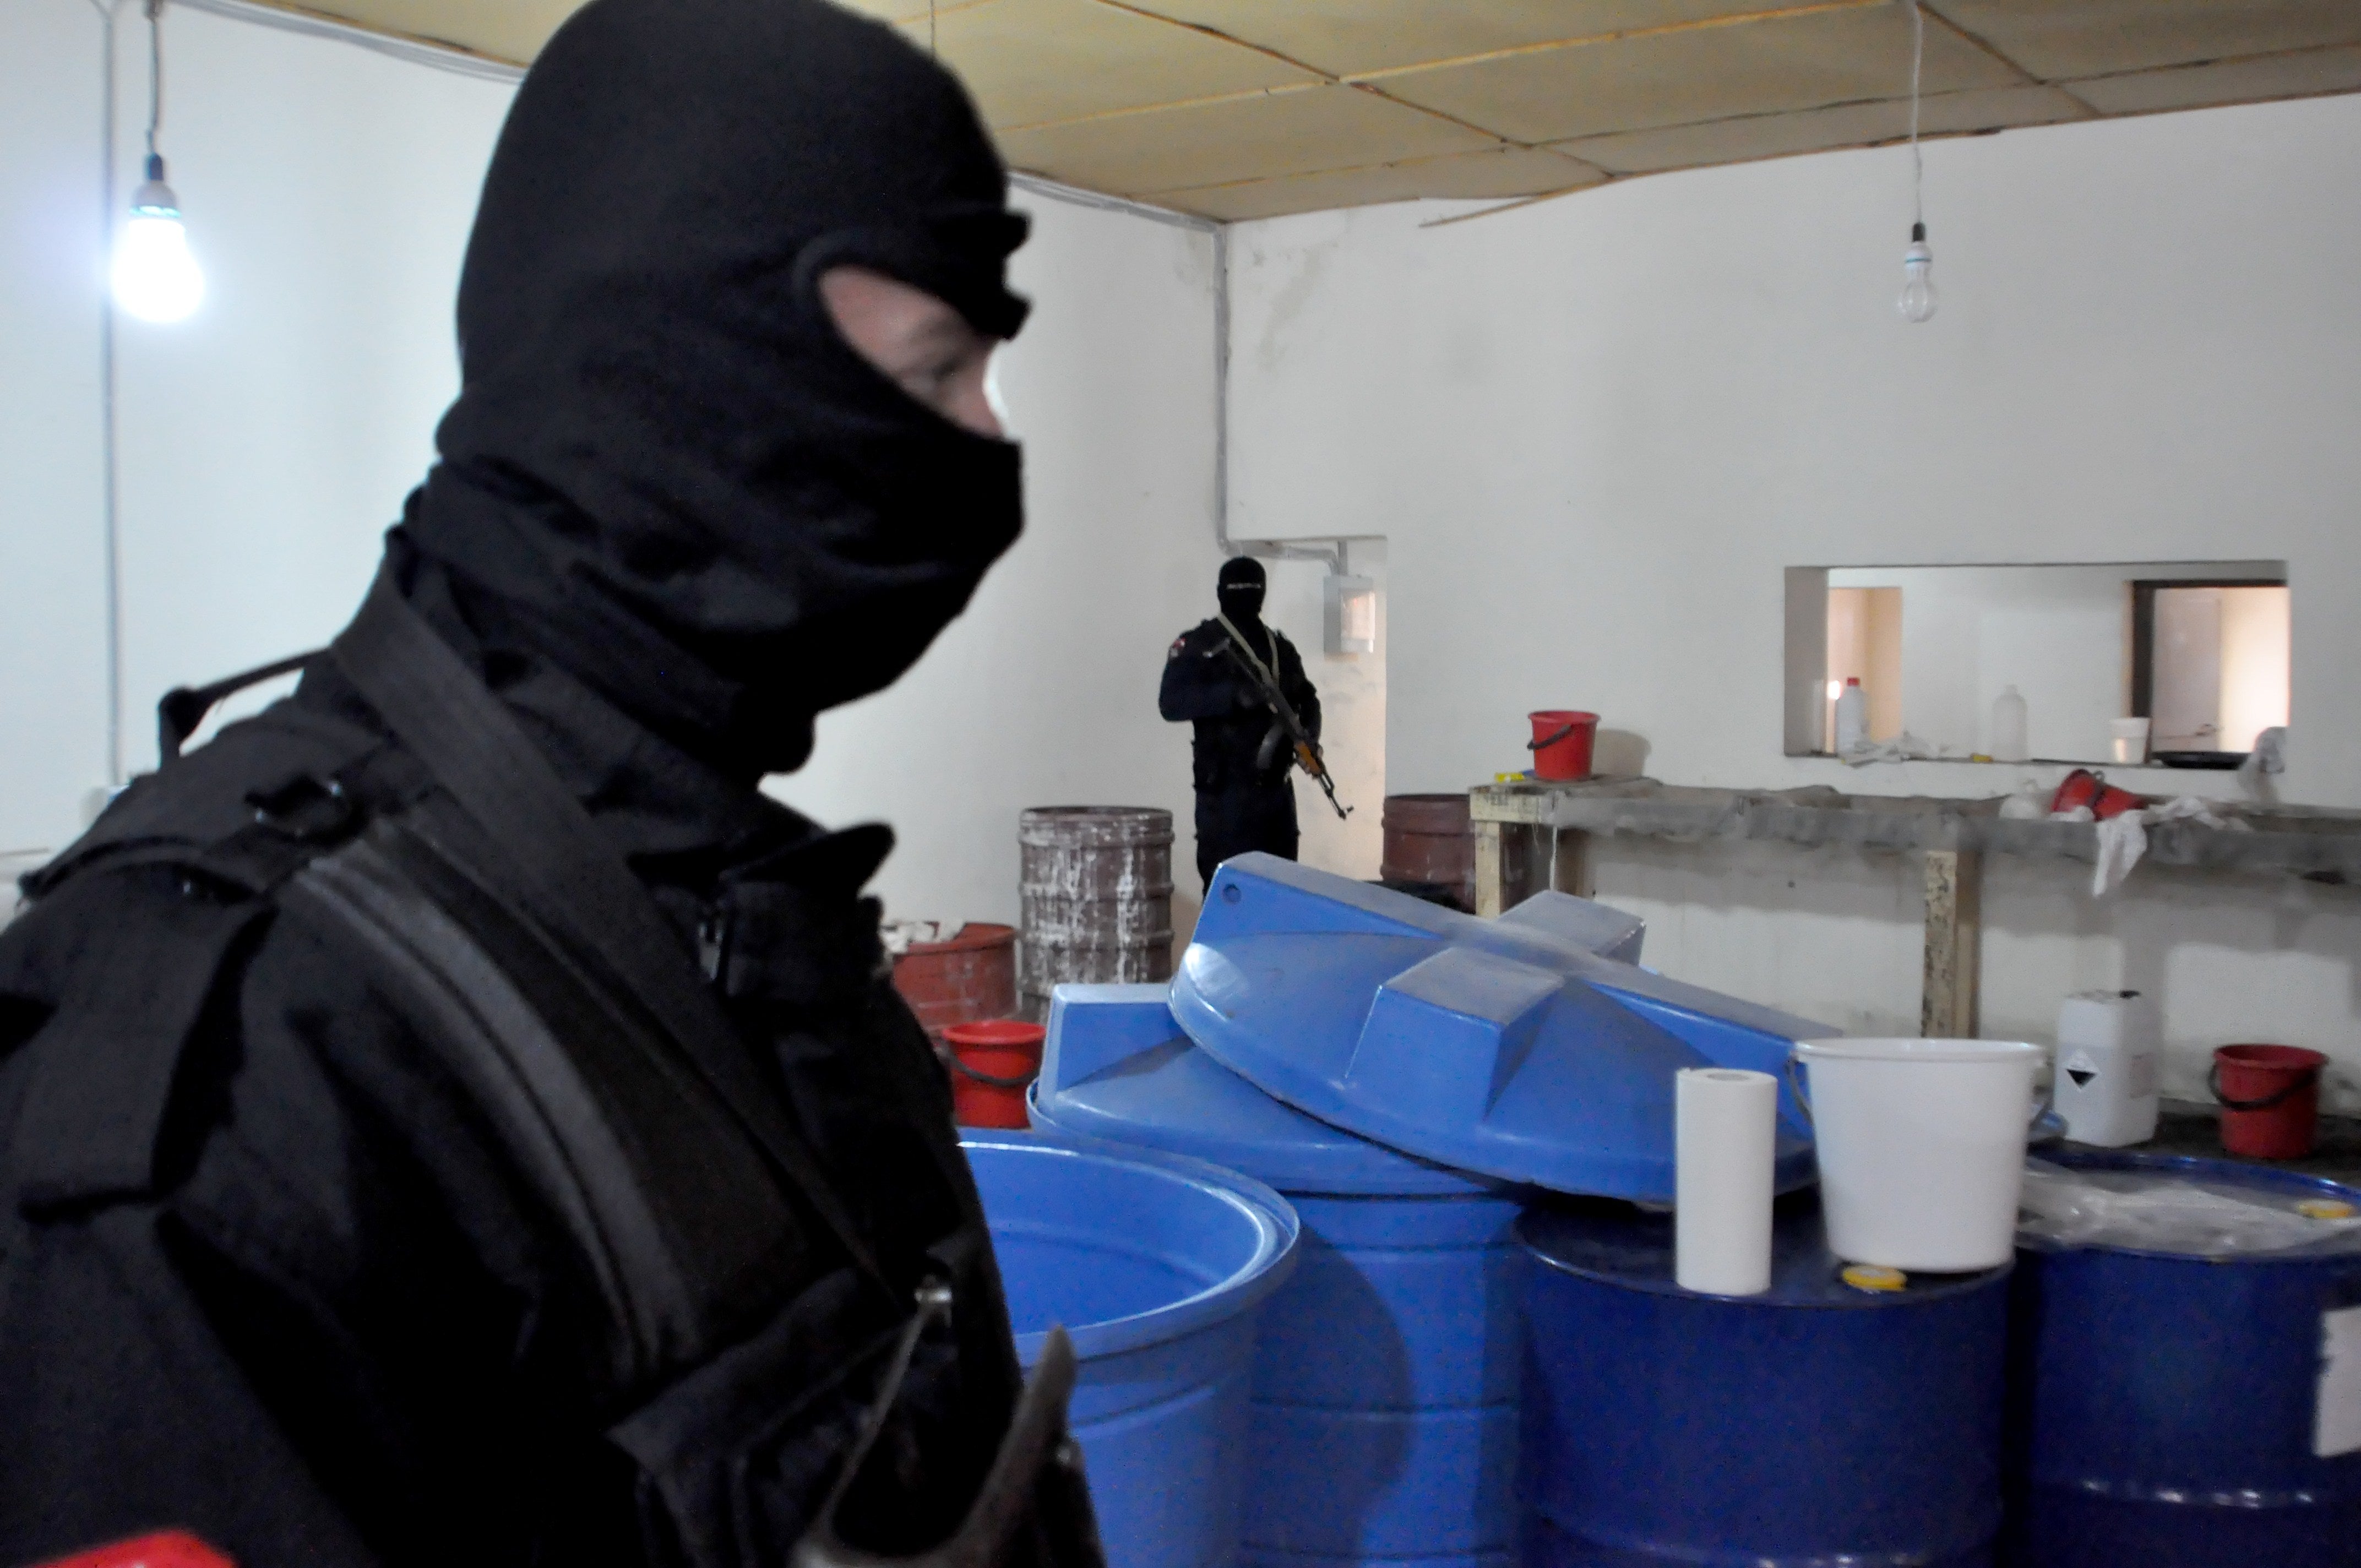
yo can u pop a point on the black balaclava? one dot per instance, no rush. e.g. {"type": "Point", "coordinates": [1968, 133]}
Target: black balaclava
{"type": "Point", "coordinates": [666, 471]}
{"type": "Point", "coordinates": [1240, 589]}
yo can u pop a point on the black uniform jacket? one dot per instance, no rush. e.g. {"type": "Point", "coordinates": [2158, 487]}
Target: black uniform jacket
{"type": "Point", "coordinates": [274, 1268]}
{"type": "Point", "coordinates": [1203, 683]}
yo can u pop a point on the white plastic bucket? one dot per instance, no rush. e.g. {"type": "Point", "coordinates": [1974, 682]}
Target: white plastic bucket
{"type": "Point", "coordinates": [1921, 1148]}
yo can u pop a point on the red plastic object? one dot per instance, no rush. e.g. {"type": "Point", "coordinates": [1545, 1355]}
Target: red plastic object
{"type": "Point", "coordinates": [165, 1548]}
{"type": "Point", "coordinates": [2083, 787]}
{"type": "Point", "coordinates": [969, 975]}
{"type": "Point", "coordinates": [2270, 1100]}
{"type": "Point", "coordinates": [993, 1064]}
{"type": "Point", "coordinates": [1562, 743]}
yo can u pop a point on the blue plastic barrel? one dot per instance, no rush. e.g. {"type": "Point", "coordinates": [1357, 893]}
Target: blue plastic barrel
{"type": "Point", "coordinates": [2166, 1409]}
{"type": "Point", "coordinates": [1384, 1388]}
{"type": "Point", "coordinates": [1813, 1424]}
{"type": "Point", "coordinates": [1156, 1266]}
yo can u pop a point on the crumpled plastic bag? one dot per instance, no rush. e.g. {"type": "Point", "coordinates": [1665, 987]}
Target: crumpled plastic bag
{"type": "Point", "coordinates": [2161, 1211]}
{"type": "Point", "coordinates": [2268, 757]}
{"type": "Point", "coordinates": [2029, 803]}
{"type": "Point", "coordinates": [899, 935]}
{"type": "Point", "coordinates": [2123, 838]}
{"type": "Point", "coordinates": [1904, 748]}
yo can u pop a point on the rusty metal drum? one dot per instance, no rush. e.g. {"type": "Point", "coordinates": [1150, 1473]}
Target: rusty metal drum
{"type": "Point", "coordinates": [1430, 843]}
{"type": "Point", "coordinates": [1096, 897]}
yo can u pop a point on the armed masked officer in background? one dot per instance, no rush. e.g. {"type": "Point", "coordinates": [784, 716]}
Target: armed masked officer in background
{"type": "Point", "coordinates": [454, 1118]}
{"type": "Point", "coordinates": [1220, 675]}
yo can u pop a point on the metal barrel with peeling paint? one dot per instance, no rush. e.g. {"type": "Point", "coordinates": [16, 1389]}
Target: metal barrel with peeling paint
{"type": "Point", "coordinates": [1097, 896]}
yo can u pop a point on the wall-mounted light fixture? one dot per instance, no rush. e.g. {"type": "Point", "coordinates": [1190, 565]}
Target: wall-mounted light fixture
{"type": "Point", "coordinates": [156, 277]}
{"type": "Point", "coordinates": [1349, 613]}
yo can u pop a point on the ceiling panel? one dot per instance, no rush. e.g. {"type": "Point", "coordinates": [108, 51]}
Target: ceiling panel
{"type": "Point", "coordinates": [1229, 106]}
{"type": "Point", "coordinates": [900, 10]}
{"type": "Point", "coordinates": [1347, 36]}
{"type": "Point", "coordinates": [1030, 61]}
{"type": "Point", "coordinates": [1707, 74]}
{"type": "Point", "coordinates": [1818, 130]}
{"type": "Point", "coordinates": [2234, 81]}
{"type": "Point", "coordinates": [2060, 39]}
{"type": "Point", "coordinates": [513, 30]}
{"type": "Point", "coordinates": [1298, 131]}
{"type": "Point", "coordinates": [1501, 172]}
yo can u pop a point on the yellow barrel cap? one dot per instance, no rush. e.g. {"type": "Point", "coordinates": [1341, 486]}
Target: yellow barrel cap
{"type": "Point", "coordinates": [2325, 1208]}
{"type": "Point", "coordinates": [1870, 1276]}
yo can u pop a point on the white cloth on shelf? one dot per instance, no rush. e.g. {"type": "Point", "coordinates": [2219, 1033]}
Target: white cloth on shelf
{"type": "Point", "coordinates": [2123, 838]}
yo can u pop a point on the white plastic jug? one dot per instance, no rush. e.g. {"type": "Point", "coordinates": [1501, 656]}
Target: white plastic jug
{"type": "Point", "coordinates": [1921, 1148]}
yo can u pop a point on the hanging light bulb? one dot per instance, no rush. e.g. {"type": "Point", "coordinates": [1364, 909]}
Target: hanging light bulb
{"type": "Point", "coordinates": [156, 278]}
{"type": "Point", "coordinates": [1917, 300]}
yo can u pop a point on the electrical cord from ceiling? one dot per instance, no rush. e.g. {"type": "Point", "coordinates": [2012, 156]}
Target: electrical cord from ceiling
{"type": "Point", "coordinates": [111, 516]}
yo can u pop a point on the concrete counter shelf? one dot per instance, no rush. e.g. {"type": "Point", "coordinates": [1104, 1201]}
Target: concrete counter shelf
{"type": "Point", "coordinates": [1532, 835]}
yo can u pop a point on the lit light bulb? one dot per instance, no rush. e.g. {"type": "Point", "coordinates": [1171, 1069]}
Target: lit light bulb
{"type": "Point", "coordinates": [154, 277]}
{"type": "Point", "coordinates": [1917, 300]}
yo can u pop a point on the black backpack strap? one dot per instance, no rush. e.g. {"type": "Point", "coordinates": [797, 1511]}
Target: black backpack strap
{"type": "Point", "coordinates": [548, 860]}
{"type": "Point", "coordinates": [682, 1225]}
{"type": "Point", "coordinates": [95, 1102]}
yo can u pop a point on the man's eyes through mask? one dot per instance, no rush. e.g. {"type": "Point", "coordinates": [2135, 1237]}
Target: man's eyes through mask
{"type": "Point", "coordinates": [917, 341]}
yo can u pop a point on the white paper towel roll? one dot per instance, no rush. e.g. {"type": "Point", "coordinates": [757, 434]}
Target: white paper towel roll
{"type": "Point", "coordinates": [1725, 1126]}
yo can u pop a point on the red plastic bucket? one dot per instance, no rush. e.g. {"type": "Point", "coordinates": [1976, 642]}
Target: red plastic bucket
{"type": "Point", "coordinates": [1561, 743]}
{"type": "Point", "coordinates": [2083, 787]}
{"type": "Point", "coordinates": [2271, 1099]}
{"type": "Point", "coordinates": [993, 1064]}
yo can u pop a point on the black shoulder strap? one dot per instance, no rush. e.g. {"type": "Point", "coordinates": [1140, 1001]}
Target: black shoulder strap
{"type": "Point", "coordinates": [95, 1102]}
{"type": "Point", "coordinates": [562, 874]}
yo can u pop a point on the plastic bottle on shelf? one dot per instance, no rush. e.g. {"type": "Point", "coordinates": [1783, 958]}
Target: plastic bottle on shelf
{"type": "Point", "coordinates": [2008, 739]}
{"type": "Point", "coordinates": [1853, 717]}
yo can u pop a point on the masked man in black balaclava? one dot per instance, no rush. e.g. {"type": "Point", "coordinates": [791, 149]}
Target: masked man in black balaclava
{"type": "Point", "coordinates": [452, 1117]}
{"type": "Point", "coordinates": [1215, 676]}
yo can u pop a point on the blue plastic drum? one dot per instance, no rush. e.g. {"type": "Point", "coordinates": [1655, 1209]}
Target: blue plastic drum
{"type": "Point", "coordinates": [1815, 1424]}
{"type": "Point", "coordinates": [1156, 1266]}
{"type": "Point", "coordinates": [1385, 1390]}
{"type": "Point", "coordinates": [2181, 1412]}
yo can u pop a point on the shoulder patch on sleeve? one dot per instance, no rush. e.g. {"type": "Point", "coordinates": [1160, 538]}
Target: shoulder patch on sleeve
{"type": "Point", "coordinates": [167, 1548]}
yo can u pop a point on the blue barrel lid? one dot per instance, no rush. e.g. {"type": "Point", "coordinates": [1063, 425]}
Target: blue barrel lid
{"type": "Point", "coordinates": [1116, 1067]}
{"type": "Point", "coordinates": [1531, 1047]}
{"type": "Point", "coordinates": [1619, 1244]}
{"type": "Point", "coordinates": [2291, 1186]}
{"type": "Point", "coordinates": [1051, 1171]}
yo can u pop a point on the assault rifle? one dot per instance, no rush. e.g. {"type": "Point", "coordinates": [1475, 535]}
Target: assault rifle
{"type": "Point", "coordinates": [1306, 750]}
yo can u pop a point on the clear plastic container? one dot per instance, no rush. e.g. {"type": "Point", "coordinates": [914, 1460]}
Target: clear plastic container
{"type": "Point", "coordinates": [2008, 732]}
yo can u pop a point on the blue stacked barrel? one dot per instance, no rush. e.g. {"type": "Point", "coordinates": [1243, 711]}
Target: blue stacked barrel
{"type": "Point", "coordinates": [1813, 1424]}
{"type": "Point", "coordinates": [1156, 1266]}
{"type": "Point", "coordinates": [2179, 1411]}
{"type": "Point", "coordinates": [1384, 1424]}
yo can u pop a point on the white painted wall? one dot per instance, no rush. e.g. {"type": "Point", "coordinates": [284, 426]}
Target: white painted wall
{"type": "Point", "coordinates": [52, 563]}
{"type": "Point", "coordinates": [1594, 432]}
{"type": "Point", "coordinates": [267, 442]}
